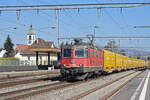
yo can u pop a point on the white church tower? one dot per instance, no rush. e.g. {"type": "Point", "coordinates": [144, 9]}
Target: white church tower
{"type": "Point", "coordinates": [30, 36]}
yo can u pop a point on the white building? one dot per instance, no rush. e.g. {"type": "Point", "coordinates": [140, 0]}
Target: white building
{"type": "Point", "coordinates": [28, 57]}
{"type": "Point", "coordinates": [30, 36]}
{"type": "Point", "coordinates": [2, 52]}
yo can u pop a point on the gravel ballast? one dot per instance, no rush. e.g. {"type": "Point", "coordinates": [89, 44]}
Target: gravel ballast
{"type": "Point", "coordinates": [69, 92]}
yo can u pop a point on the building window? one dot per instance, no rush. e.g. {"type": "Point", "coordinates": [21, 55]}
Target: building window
{"type": "Point", "coordinates": [29, 37]}
{"type": "Point", "coordinates": [29, 42]}
{"type": "Point", "coordinates": [40, 57]}
{"type": "Point", "coordinates": [28, 57]}
{"type": "Point", "coordinates": [41, 60]}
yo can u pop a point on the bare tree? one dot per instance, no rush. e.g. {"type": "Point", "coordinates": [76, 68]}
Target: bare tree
{"type": "Point", "coordinates": [111, 46]}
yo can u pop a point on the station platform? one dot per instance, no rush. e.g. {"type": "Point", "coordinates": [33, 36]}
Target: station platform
{"type": "Point", "coordinates": [14, 74]}
{"type": "Point", "coordinates": [137, 89]}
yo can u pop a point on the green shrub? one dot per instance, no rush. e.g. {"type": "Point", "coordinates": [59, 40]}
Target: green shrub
{"type": "Point", "coordinates": [0, 61]}
{"type": "Point", "coordinates": [9, 58]}
{"type": "Point", "coordinates": [9, 61]}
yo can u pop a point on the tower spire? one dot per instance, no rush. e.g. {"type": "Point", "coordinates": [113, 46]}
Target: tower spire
{"type": "Point", "coordinates": [30, 35]}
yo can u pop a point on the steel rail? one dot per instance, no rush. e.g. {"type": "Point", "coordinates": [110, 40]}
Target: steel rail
{"type": "Point", "coordinates": [29, 89]}
{"type": "Point", "coordinates": [47, 88]}
{"type": "Point", "coordinates": [106, 97]}
{"type": "Point", "coordinates": [18, 81]}
{"type": "Point", "coordinates": [77, 97]}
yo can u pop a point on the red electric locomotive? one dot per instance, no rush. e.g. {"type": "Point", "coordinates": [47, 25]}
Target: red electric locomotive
{"type": "Point", "coordinates": [81, 60]}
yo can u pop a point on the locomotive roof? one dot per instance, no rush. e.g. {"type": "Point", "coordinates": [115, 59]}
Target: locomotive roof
{"type": "Point", "coordinates": [80, 45]}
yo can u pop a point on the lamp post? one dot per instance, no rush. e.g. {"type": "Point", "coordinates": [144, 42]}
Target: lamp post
{"type": "Point", "coordinates": [57, 25]}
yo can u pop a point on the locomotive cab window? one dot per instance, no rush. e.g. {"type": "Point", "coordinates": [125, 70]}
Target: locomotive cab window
{"type": "Point", "coordinates": [97, 53]}
{"type": "Point", "coordinates": [86, 52]}
{"type": "Point", "coordinates": [67, 53]}
{"type": "Point", "coordinates": [92, 52]}
{"type": "Point", "coordinates": [79, 52]}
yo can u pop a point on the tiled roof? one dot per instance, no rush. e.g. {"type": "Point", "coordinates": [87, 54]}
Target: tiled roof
{"type": "Point", "coordinates": [39, 43]}
{"type": "Point", "coordinates": [23, 49]}
{"type": "Point", "coordinates": [22, 46]}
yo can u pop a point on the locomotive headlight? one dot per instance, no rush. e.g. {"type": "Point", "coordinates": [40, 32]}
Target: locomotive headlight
{"type": "Point", "coordinates": [64, 65]}
{"type": "Point", "coordinates": [81, 65]}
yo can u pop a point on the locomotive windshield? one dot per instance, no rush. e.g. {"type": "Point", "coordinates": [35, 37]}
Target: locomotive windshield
{"type": "Point", "coordinates": [80, 52]}
{"type": "Point", "coordinates": [67, 53]}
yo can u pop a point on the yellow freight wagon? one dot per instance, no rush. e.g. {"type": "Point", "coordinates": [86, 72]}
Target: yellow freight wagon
{"type": "Point", "coordinates": [124, 62]}
{"type": "Point", "coordinates": [138, 63]}
{"type": "Point", "coordinates": [143, 63]}
{"type": "Point", "coordinates": [133, 63]}
{"type": "Point", "coordinates": [109, 61]}
{"type": "Point", "coordinates": [128, 63]}
{"type": "Point", "coordinates": [146, 65]}
{"type": "Point", "coordinates": [121, 62]}
{"type": "Point", "coordinates": [114, 61]}
{"type": "Point", "coordinates": [118, 62]}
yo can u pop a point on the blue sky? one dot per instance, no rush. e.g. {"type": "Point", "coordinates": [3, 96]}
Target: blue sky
{"type": "Point", "coordinates": [112, 22]}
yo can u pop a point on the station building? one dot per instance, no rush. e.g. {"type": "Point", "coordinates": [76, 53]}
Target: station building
{"type": "Point", "coordinates": [36, 51]}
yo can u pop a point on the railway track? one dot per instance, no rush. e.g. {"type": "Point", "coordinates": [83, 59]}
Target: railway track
{"type": "Point", "coordinates": [22, 93]}
{"type": "Point", "coordinates": [5, 83]}
{"type": "Point", "coordinates": [80, 96]}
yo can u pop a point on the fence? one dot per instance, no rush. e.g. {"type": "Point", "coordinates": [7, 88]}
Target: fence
{"type": "Point", "coordinates": [24, 62]}
{"type": "Point", "coordinates": [9, 62]}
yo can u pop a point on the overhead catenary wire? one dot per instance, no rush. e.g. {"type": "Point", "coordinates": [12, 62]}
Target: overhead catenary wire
{"type": "Point", "coordinates": [138, 5]}
{"type": "Point", "coordinates": [117, 24]}
{"type": "Point", "coordinates": [72, 6]}
{"type": "Point", "coordinates": [141, 27]}
{"type": "Point", "coordinates": [67, 24]}
{"type": "Point", "coordinates": [109, 38]}
{"type": "Point", "coordinates": [38, 30]}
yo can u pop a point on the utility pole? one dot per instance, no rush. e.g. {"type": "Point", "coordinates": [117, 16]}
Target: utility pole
{"type": "Point", "coordinates": [119, 47]}
{"type": "Point", "coordinates": [57, 26]}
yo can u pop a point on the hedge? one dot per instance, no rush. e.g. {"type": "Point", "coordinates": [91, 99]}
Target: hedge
{"type": "Point", "coordinates": [9, 61]}
{"type": "Point", "coordinates": [9, 58]}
